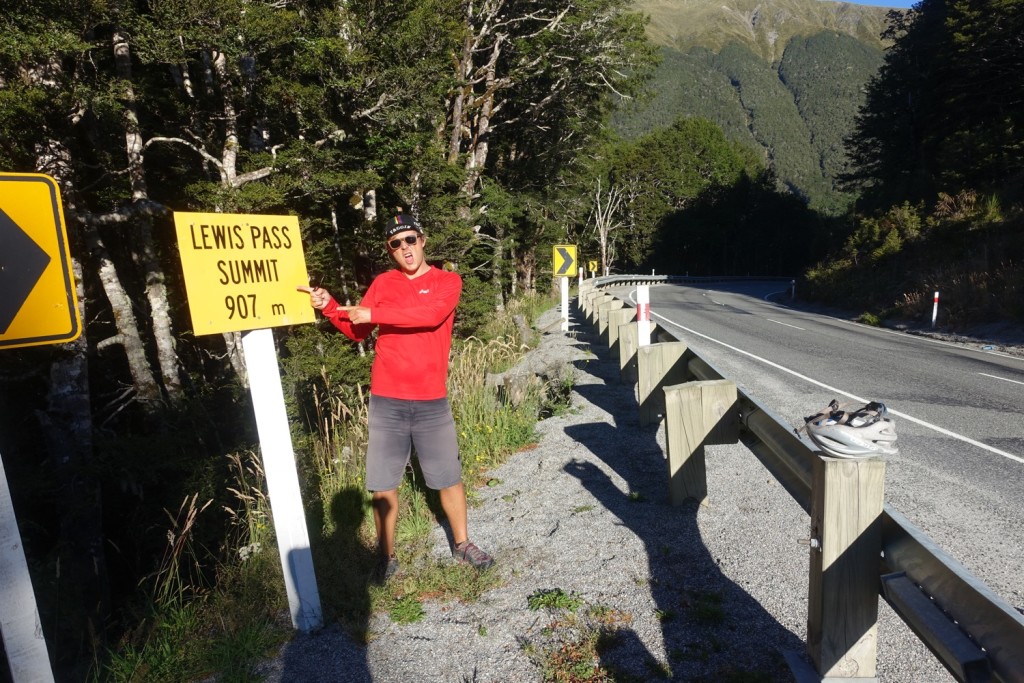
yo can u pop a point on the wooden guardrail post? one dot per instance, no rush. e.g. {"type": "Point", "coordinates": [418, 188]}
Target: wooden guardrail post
{"type": "Point", "coordinates": [846, 541]}
{"type": "Point", "coordinates": [616, 320]}
{"type": "Point", "coordinates": [629, 342]}
{"type": "Point", "coordinates": [589, 299]}
{"type": "Point", "coordinates": [658, 365]}
{"type": "Point", "coordinates": [627, 353]}
{"type": "Point", "coordinates": [603, 313]}
{"type": "Point", "coordinates": [583, 298]}
{"type": "Point", "coordinates": [595, 304]}
{"type": "Point", "coordinates": [697, 414]}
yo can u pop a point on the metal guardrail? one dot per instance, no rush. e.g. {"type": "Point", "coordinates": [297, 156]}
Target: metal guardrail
{"type": "Point", "coordinates": [652, 279]}
{"type": "Point", "coordinates": [974, 633]}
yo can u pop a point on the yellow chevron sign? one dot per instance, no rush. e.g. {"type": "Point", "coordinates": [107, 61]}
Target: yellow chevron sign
{"type": "Point", "coordinates": [564, 260]}
{"type": "Point", "coordinates": [38, 302]}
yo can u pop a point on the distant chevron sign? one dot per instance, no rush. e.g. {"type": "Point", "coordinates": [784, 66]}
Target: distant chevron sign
{"type": "Point", "coordinates": [564, 260]}
{"type": "Point", "coordinates": [38, 303]}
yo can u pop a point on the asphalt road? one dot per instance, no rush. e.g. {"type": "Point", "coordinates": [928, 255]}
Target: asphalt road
{"type": "Point", "coordinates": [959, 475]}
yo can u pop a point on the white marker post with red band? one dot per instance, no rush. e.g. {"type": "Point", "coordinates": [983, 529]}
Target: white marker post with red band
{"type": "Point", "coordinates": [935, 308]}
{"type": "Point", "coordinates": [643, 315]}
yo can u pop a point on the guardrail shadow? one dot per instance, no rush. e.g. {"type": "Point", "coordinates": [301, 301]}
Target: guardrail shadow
{"type": "Point", "coordinates": [712, 629]}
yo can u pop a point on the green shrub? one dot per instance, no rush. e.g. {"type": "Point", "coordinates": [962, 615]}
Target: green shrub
{"type": "Point", "coordinates": [869, 319]}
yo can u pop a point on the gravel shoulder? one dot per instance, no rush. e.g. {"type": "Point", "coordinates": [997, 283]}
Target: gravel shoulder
{"type": "Point", "coordinates": [699, 593]}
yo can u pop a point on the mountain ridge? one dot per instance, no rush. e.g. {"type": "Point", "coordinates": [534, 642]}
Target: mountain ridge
{"type": "Point", "coordinates": [766, 26]}
{"type": "Point", "coordinates": [785, 77]}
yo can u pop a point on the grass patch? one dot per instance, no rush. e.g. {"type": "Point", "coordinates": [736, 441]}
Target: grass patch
{"type": "Point", "coordinates": [871, 319]}
{"type": "Point", "coordinates": [406, 610]}
{"type": "Point", "coordinates": [189, 629]}
{"type": "Point", "coordinates": [234, 654]}
{"type": "Point", "coordinates": [554, 599]}
{"type": "Point", "coordinates": [158, 656]}
{"type": "Point", "coordinates": [569, 648]}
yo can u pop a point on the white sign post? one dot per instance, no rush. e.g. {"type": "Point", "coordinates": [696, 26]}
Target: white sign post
{"type": "Point", "coordinates": [565, 303]}
{"type": "Point", "coordinates": [240, 274]}
{"type": "Point", "coordinates": [643, 315]}
{"type": "Point", "coordinates": [935, 308]}
{"type": "Point", "coordinates": [19, 618]}
{"type": "Point", "coordinates": [282, 479]}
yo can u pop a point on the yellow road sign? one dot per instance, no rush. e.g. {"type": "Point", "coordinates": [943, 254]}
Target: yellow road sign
{"type": "Point", "coordinates": [241, 271]}
{"type": "Point", "coordinates": [564, 260]}
{"type": "Point", "coordinates": [592, 266]}
{"type": "Point", "coordinates": [38, 302]}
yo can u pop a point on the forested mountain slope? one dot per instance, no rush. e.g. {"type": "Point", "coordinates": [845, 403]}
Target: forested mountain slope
{"type": "Point", "coordinates": [765, 26]}
{"type": "Point", "coordinates": [784, 76]}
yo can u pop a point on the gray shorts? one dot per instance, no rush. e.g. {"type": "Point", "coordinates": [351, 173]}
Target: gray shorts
{"type": "Point", "coordinates": [396, 427]}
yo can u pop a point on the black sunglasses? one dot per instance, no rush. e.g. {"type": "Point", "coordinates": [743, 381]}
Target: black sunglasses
{"type": "Point", "coordinates": [408, 239]}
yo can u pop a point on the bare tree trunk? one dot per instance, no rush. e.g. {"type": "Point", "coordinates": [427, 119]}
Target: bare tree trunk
{"type": "Point", "coordinates": [147, 391]}
{"type": "Point", "coordinates": [156, 282]}
{"type": "Point", "coordinates": [513, 288]}
{"type": "Point", "coordinates": [53, 159]}
{"type": "Point", "coordinates": [464, 69]}
{"type": "Point", "coordinates": [229, 151]}
{"type": "Point", "coordinates": [233, 343]}
{"type": "Point", "coordinates": [496, 271]}
{"type": "Point", "coordinates": [341, 270]}
{"type": "Point", "coordinates": [530, 271]}
{"type": "Point", "coordinates": [604, 213]}
{"type": "Point", "coordinates": [477, 159]}
{"type": "Point", "coordinates": [229, 173]}
{"type": "Point", "coordinates": [370, 206]}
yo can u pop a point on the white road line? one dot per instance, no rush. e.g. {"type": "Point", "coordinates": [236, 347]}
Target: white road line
{"type": "Point", "coordinates": [779, 322]}
{"type": "Point", "coordinates": [815, 382]}
{"type": "Point", "coordinates": [985, 374]}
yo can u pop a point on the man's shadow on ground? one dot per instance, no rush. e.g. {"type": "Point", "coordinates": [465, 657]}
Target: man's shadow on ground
{"type": "Point", "coordinates": [343, 566]}
{"type": "Point", "coordinates": [712, 629]}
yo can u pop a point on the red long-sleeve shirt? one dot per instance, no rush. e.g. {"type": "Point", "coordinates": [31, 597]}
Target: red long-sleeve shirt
{"type": "Point", "coordinates": [415, 318]}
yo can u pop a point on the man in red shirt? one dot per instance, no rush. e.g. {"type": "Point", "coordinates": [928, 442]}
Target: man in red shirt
{"type": "Point", "coordinates": [413, 309]}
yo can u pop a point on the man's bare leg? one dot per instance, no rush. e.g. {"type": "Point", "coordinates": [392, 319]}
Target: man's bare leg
{"type": "Point", "coordinates": [385, 517]}
{"type": "Point", "coordinates": [453, 500]}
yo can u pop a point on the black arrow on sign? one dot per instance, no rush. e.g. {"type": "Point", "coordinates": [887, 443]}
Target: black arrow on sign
{"type": "Point", "coordinates": [22, 263]}
{"type": "Point", "coordinates": [567, 261]}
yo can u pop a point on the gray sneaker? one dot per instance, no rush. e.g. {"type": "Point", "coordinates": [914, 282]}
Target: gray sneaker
{"type": "Point", "coordinates": [468, 553]}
